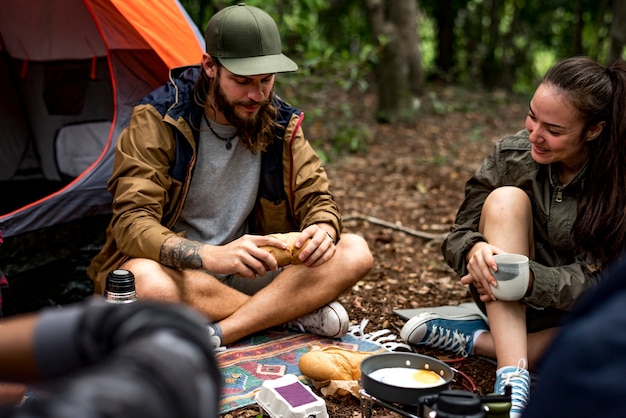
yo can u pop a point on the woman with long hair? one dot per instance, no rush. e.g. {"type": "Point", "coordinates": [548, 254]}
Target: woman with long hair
{"type": "Point", "coordinates": [555, 192]}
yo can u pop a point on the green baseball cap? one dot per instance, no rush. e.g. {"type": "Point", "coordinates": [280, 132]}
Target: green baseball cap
{"type": "Point", "coordinates": [246, 41]}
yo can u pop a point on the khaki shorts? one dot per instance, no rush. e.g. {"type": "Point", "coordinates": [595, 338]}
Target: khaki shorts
{"type": "Point", "coordinates": [536, 319]}
{"type": "Point", "coordinates": [248, 286]}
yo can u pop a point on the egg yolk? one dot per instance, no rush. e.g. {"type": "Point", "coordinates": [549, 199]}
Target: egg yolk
{"type": "Point", "coordinates": [426, 377]}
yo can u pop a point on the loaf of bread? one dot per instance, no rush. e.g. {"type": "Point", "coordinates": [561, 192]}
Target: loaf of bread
{"type": "Point", "coordinates": [290, 254]}
{"type": "Point", "coordinates": [332, 363]}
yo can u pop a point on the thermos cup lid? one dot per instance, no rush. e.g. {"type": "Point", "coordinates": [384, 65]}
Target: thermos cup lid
{"type": "Point", "coordinates": [120, 281]}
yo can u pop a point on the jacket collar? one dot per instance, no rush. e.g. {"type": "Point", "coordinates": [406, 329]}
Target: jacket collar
{"type": "Point", "coordinates": [183, 79]}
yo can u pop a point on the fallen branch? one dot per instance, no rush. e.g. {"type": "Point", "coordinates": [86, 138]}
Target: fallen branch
{"type": "Point", "coordinates": [410, 231]}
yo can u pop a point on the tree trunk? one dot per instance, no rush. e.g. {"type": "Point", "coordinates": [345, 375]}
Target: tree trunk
{"type": "Point", "coordinates": [577, 29]}
{"type": "Point", "coordinates": [405, 15]}
{"type": "Point", "coordinates": [490, 66]}
{"type": "Point", "coordinates": [445, 15]}
{"type": "Point", "coordinates": [472, 35]}
{"type": "Point", "coordinates": [617, 33]}
{"type": "Point", "coordinates": [513, 57]}
{"type": "Point", "coordinates": [400, 74]}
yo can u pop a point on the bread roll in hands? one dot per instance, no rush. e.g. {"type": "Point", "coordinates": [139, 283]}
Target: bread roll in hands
{"type": "Point", "coordinates": [288, 255]}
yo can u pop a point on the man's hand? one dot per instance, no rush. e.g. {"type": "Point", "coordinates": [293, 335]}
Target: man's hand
{"type": "Point", "coordinates": [242, 256]}
{"type": "Point", "coordinates": [321, 247]}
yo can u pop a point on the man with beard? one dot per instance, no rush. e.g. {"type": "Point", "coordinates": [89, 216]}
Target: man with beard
{"type": "Point", "coordinates": [211, 164]}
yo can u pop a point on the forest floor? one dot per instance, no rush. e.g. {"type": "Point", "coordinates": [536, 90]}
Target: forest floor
{"type": "Point", "coordinates": [401, 193]}
{"type": "Point", "coordinates": [409, 182]}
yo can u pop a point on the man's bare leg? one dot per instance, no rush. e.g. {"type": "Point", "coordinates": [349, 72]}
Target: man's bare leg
{"type": "Point", "coordinates": [296, 291]}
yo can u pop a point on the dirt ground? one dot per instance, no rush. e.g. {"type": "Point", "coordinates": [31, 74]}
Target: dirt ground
{"type": "Point", "coordinates": [410, 183]}
{"type": "Point", "coordinates": [401, 194]}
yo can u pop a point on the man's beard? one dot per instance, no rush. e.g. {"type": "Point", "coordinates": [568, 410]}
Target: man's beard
{"type": "Point", "coordinates": [248, 129]}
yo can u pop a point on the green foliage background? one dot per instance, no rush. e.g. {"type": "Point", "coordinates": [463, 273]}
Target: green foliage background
{"type": "Point", "coordinates": [333, 44]}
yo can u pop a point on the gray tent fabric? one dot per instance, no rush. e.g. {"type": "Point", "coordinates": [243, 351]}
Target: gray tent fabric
{"type": "Point", "coordinates": [14, 135]}
{"type": "Point", "coordinates": [65, 63]}
{"type": "Point", "coordinates": [86, 195]}
{"type": "Point", "coordinates": [79, 145]}
{"type": "Point", "coordinates": [71, 72]}
{"type": "Point", "coordinates": [50, 102]}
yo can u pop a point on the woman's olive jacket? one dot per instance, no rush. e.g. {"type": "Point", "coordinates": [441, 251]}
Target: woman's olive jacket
{"type": "Point", "coordinates": [561, 272]}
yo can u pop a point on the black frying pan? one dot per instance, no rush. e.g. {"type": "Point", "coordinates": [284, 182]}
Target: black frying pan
{"type": "Point", "coordinates": [406, 396]}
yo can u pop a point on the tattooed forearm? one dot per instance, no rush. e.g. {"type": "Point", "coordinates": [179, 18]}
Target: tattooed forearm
{"type": "Point", "coordinates": [181, 253]}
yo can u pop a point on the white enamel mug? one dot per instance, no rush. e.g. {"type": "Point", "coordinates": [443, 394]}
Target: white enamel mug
{"type": "Point", "coordinates": [512, 276]}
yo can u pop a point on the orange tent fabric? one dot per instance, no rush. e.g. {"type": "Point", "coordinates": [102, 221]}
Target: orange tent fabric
{"type": "Point", "coordinates": [76, 62]}
{"type": "Point", "coordinates": [172, 38]}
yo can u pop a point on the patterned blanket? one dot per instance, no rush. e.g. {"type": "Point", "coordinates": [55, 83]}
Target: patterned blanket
{"type": "Point", "coordinates": [270, 355]}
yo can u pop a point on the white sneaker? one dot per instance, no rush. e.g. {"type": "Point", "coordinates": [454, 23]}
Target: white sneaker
{"type": "Point", "coordinates": [330, 320]}
{"type": "Point", "coordinates": [215, 337]}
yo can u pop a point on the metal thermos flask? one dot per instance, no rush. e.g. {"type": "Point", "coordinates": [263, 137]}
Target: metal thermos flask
{"type": "Point", "coordinates": [120, 287]}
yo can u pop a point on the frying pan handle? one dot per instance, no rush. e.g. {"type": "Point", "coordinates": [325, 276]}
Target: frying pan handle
{"type": "Point", "coordinates": [465, 381]}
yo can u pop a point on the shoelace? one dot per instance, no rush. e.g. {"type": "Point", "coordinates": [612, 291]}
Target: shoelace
{"type": "Point", "coordinates": [295, 325]}
{"type": "Point", "coordinates": [383, 337]}
{"type": "Point", "coordinates": [299, 323]}
{"type": "Point", "coordinates": [519, 380]}
{"type": "Point", "coordinates": [440, 338]}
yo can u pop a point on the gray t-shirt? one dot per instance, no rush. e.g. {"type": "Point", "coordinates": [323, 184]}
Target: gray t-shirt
{"type": "Point", "coordinates": [223, 188]}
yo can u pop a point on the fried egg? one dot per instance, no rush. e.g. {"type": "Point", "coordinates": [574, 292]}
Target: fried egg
{"type": "Point", "coordinates": [407, 377]}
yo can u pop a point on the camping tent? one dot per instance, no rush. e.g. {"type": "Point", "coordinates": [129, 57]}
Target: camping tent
{"type": "Point", "coordinates": [70, 72]}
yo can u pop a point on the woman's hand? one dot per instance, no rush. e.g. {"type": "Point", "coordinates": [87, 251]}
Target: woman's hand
{"type": "Point", "coordinates": [480, 266]}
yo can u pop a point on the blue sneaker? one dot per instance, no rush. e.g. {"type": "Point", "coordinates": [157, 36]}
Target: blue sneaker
{"type": "Point", "coordinates": [452, 333]}
{"type": "Point", "coordinates": [519, 380]}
